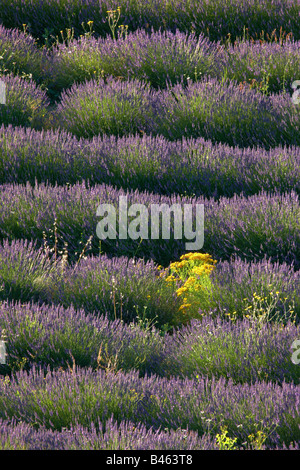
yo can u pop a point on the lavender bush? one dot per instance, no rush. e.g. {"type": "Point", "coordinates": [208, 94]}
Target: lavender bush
{"type": "Point", "coordinates": [163, 57]}
{"type": "Point", "coordinates": [243, 62]}
{"type": "Point", "coordinates": [223, 112]}
{"type": "Point", "coordinates": [108, 284]}
{"type": "Point", "coordinates": [26, 103]}
{"type": "Point", "coordinates": [106, 106]}
{"type": "Point", "coordinates": [53, 336]}
{"type": "Point", "coordinates": [244, 351]}
{"type": "Point", "coordinates": [237, 281]}
{"type": "Point", "coordinates": [117, 286]}
{"type": "Point", "coordinates": [160, 57]}
{"type": "Point", "coordinates": [23, 258]}
{"type": "Point", "coordinates": [19, 53]}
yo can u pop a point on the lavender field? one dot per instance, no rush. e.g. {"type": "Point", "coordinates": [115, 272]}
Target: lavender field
{"type": "Point", "coordinates": [140, 343]}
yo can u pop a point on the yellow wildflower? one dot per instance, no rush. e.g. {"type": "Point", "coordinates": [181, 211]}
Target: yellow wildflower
{"type": "Point", "coordinates": [191, 280]}
{"type": "Point", "coordinates": [181, 290]}
{"type": "Point", "coordinates": [170, 278]}
{"type": "Point", "coordinates": [198, 270]}
{"type": "Point", "coordinates": [196, 256]}
{"type": "Point", "coordinates": [184, 306]}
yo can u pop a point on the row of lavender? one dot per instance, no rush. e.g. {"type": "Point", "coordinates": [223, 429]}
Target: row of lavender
{"type": "Point", "coordinates": [156, 58]}
{"type": "Point", "coordinates": [139, 285]}
{"type": "Point", "coordinates": [165, 56]}
{"type": "Point", "coordinates": [215, 18]}
{"type": "Point", "coordinates": [222, 112]}
{"type": "Point", "coordinates": [81, 396]}
{"type": "Point", "coordinates": [148, 163]}
{"type": "Point", "coordinates": [125, 435]}
{"type": "Point", "coordinates": [246, 351]}
{"type": "Point", "coordinates": [261, 225]}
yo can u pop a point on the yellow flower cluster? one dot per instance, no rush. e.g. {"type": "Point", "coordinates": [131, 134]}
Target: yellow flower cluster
{"type": "Point", "coordinates": [182, 307]}
{"type": "Point", "coordinates": [205, 269]}
{"type": "Point", "coordinates": [190, 282]}
{"type": "Point", "coordinates": [198, 256]}
{"type": "Point", "coordinates": [193, 270]}
{"type": "Point", "coordinates": [178, 264]}
{"type": "Point", "coordinates": [181, 290]}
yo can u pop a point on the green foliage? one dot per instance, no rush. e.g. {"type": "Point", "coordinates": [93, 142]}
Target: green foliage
{"type": "Point", "coordinates": [225, 442]}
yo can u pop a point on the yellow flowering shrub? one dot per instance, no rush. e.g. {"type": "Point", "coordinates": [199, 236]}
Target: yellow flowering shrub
{"type": "Point", "coordinates": [191, 277]}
